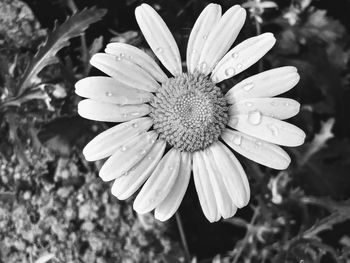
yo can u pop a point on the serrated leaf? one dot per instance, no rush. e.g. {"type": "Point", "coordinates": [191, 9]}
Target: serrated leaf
{"type": "Point", "coordinates": [58, 39]}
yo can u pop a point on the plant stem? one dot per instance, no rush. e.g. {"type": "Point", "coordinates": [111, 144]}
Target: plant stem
{"type": "Point", "coordinates": [183, 237]}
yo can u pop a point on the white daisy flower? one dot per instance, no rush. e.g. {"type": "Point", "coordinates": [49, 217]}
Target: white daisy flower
{"type": "Point", "coordinates": [172, 125]}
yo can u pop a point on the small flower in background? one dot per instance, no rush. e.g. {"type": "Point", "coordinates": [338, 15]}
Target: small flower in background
{"type": "Point", "coordinates": [188, 113]}
{"type": "Point", "coordinates": [257, 8]}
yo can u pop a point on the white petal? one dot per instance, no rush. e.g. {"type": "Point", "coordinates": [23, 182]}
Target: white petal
{"type": "Point", "coordinates": [259, 151]}
{"type": "Point", "coordinates": [221, 38]}
{"type": "Point", "coordinates": [137, 56]}
{"type": "Point", "coordinates": [279, 108]}
{"type": "Point", "coordinates": [199, 34]}
{"type": "Point", "coordinates": [127, 156]}
{"type": "Point", "coordinates": [243, 56]}
{"type": "Point", "coordinates": [159, 38]}
{"type": "Point", "coordinates": [224, 201]}
{"type": "Point", "coordinates": [159, 183]}
{"type": "Point", "coordinates": [232, 174]}
{"type": "Point", "coordinates": [106, 89]}
{"type": "Point", "coordinates": [100, 111]}
{"type": "Point", "coordinates": [124, 71]}
{"type": "Point", "coordinates": [263, 85]}
{"type": "Point", "coordinates": [107, 142]}
{"type": "Point", "coordinates": [204, 189]}
{"type": "Point", "coordinates": [267, 128]}
{"type": "Point", "coordinates": [126, 185]}
{"type": "Point", "coordinates": [171, 203]}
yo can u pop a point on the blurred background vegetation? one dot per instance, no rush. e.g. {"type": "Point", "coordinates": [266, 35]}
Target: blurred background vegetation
{"type": "Point", "coordinates": [53, 206]}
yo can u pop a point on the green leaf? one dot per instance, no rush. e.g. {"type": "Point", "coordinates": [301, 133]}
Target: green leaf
{"type": "Point", "coordinates": [58, 39]}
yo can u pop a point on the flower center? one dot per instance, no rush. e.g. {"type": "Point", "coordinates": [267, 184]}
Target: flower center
{"type": "Point", "coordinates": [189, 112]}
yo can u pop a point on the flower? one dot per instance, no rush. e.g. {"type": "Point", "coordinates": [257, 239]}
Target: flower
{"type": "Point", "coordinates": [172, 125]}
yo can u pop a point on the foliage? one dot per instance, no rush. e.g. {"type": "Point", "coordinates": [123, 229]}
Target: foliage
{"type": "Point", "coordinates": [55, 209]}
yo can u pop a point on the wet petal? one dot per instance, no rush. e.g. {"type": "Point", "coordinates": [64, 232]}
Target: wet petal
{"type": "Point", "coordinates": [221, 38]}
{"type": "Point", "coordinates": [263, 85]}
{"type": "Point", "coordinates": [259, 151]}
{"type": "Point", "coordinates": [199, 34]}
{"type": "Point", "coordinates": [124, 71]}
{"type": "Point", "coordinates": [107, 142]}
{"type": "Point", "coordinates": [204, 189]}
{"type": "Point", "coordinates": [100, 111]}
{"type": "Point", "coordinates": [224, 201]}
{"type": "Point", "coordinates": [279, 108]}
{"type": "Point", "coordinates": [127, 156]}
{"type": "Point", "coordinates": [159, 38]}
{"type": "Point", "coordinates": [267, 128]}
{"type": "Point", "coordinates": [243, 56]}
{"type": "Point", "coordinates": [232, 174]}
{"type": "Point", "coordinates": [159, 184]}
{"type": "Point", "coordinates": [171, 203]}
{"type": "Point", "coordinates": [137, 56]}
{"type": "Point", "coordinates": [106, 89]}
{"type": "Point", "coordinates": [126, 185]}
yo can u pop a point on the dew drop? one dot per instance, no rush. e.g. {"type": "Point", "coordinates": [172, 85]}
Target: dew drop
{"type": "Point", "coordinates": [135, 114]}
{"type": "Point", "coordinates": [287, 104]}
{"type": "Point", "coordinates": [248, 87]}
{"type": "Point", "coordinates": [135, 125]}
{"type": "Point", "coordinates": [203, 65]}
{"type": "Point", "coordinates": [205, 37]}
{"type": "Point", "coordinates": [119, 58]}
{"type": "Point", "coordinates": [237, 140]}
{"type": "Point", "coordinates": [122, 55]}
{"type": "Point", "coordinates": [254, 117]}
{"type": "Point", "coordinates": [149, 157]}
{"type": "Point", "coordinates": [143, 152]}
{"type": "Point", "coordinates": [274, 103]}
{"type": "Point", "coordinates": [249, 104]}
{"type": "Point", "coordinates": [194, 51]}
{"type": "Point", "coordinates": [123, 149]}
{"type": "Point", "coordinates": [235, 55]}
{"type": "Point", "coordinates": [233, 122]}
{"type": "Point", "coordinates": [125, 115]}
{"type": "Point", "coordinates": [109, 94]}
{"type": "Point", "coordinates": [258, 143]}
{"type": "Point", "coordinates": [229, 72]}
{"type": "Point", "coordinates": [239, 66]}
{"type": "Point", "coordinates": [274, 129]}
{"type": "Point", "coordinates": [171, 168]}
{"type": "Point", "coordinates": [159, 50]}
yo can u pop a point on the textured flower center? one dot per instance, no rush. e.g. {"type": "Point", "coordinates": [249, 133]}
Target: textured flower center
{"type": "Point", "coordinates": [189, 112]}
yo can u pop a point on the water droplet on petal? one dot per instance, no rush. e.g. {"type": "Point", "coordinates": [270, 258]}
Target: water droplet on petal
{"type": "Point", "coordinates": [171, 168]}
{"type": "Point", "coordinates": [274, 103]}
{"type": "Point", "coordinates": [194, 51]}
{"type": "Point", "coordinates": [203, 65]}
{"type": "Point", "coordinates": [122, 55]}
{"type": "Point", "coordinates": [239, 66]}
{"type": "Point", "coordinates": [274, 129]}
{"type": "Point", "coordinates": [159, 50]}
{"type": "Point", "coordinates": [135, 114]}
{"type": "Point", "coordinates": [109, 94]}
{"type": "Point", "coordinates": [143, 152]}
{"type": "Point", "coordinates": [123, 149]}
{"type": "Point", "coordinates": [233, 121]}
{"type": "Point", "coordinates": [125, 115]}
{"type": "Point", "coordinates": [149, 157]}
{"type": "Point", "coordinates": [249, 104]}
{"type": "Point", "coordinates": [254, 117]}
{"type": "Point", "coordinates": [287, 104]}
{"type": "Point", "coordinates": [258, 143]}
{"type": "Point", "coordinates": [205, 37]}
{"type": "Point", "coordinates": [229, 72]}
{"type": "Point", "coordinates": [118, 58]}
{"type": "Point", "coordinates": [237, 140]}
{"type": "Point", "coordinates": [248, 87]}
{"type": "Point", "coordinates": [134, 125]}
{"type": "Point", "coordinates": [235, 55]}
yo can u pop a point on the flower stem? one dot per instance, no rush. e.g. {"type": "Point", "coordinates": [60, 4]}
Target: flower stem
{"type": "Point", "coordinates": [183, 237]}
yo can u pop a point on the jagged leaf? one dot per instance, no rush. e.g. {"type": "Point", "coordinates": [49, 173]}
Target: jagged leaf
{"type": "Point", "coordinates": [58, 39]}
